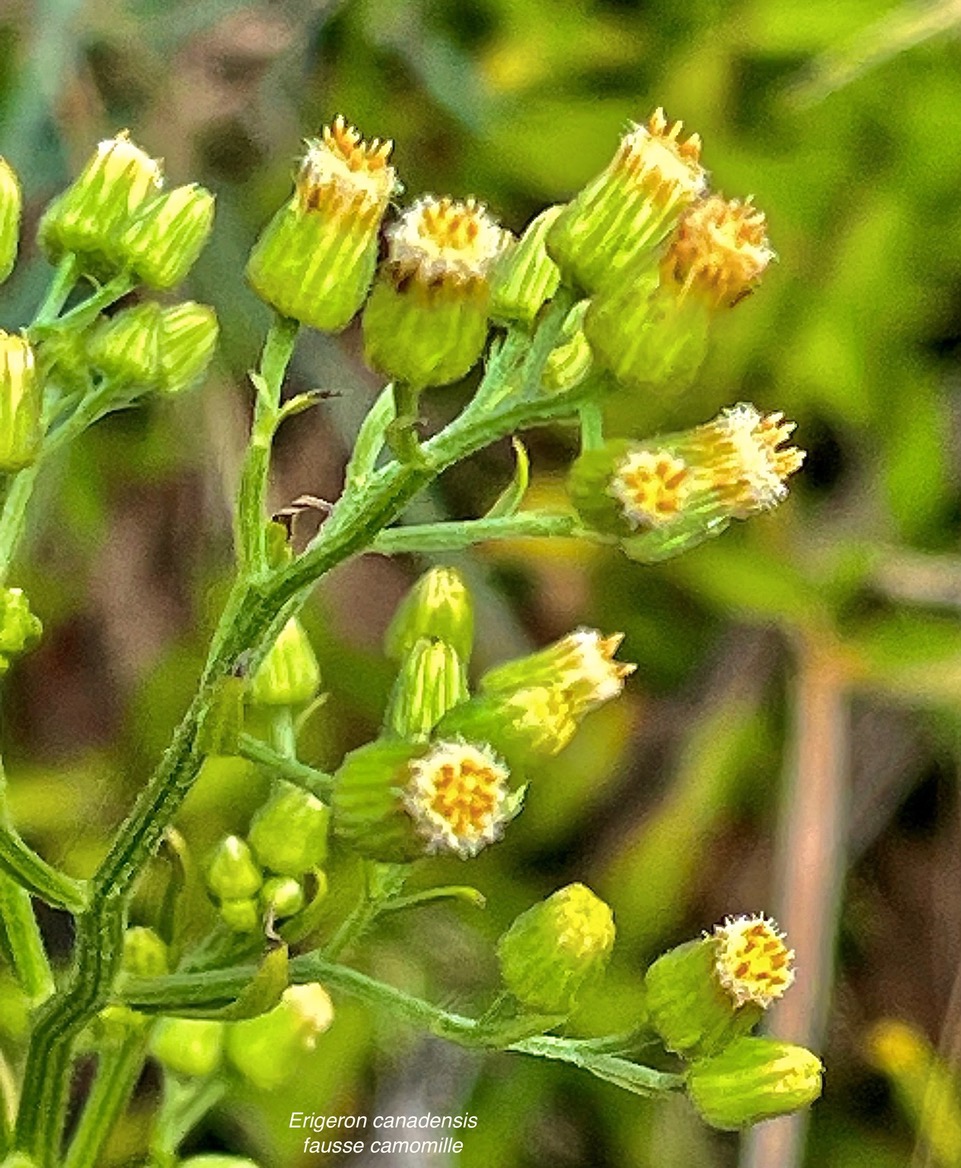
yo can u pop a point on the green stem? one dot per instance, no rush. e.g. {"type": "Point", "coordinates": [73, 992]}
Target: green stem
{"type": "Point", "coordinates": [401, 433]}
{"type": "Point", "coordinates": [86, 312]}
{"type": "Point", "coordinates": [455, 536]}
{"type": "Point", "coordinates": [58, 292]}
{"type": "Point", "coordinates": [251, 533]}
{"type": "Point", "coordinates": [254, 613]}
{"type": "Point", "coordinates": [184, 1106]}
{"type": "Point", "coordinates": [316, 782]}
{"type": "Point", "coordinates": [34, 874]}
{"type": "Point", "coordinates": [24, 942]}
{"type": "Point", "coordinates": [118, 1069]}
{"type": "Point", "coordinates": [592, 426]}
{"type": "Point", "coordinates": [220, 987]}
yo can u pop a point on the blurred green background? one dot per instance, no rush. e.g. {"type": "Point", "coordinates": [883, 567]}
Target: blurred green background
{"type": "Point", "coordinates": [790, 740]}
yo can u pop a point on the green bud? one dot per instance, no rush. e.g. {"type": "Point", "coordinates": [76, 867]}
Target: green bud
{"type": "Point", "coordinates": [63, 359]}
{"type": "Point", "coordinates": [20, 630]}
{"type": "Point", "coordinates": [621, 217]}
{"type": "Point", "coordinates": [266, 1050]}
{"type": "Point", "coordinates": [649, 334]}
{"type": "Point", "coordinates": [162, 244]}
{"type": "Point", "coordinates": [11, 205]}
{"type": "Point", "coordinates": [21, 404]}
{"type": "Point", "coordinates": [525, 277]}
{"type": "Point", "coordinates": [92, 214]}
{"type": "Point", "coordinates": [282, 895]}
{"type": "Point", "coordinates": [570, 361]}
{"type": "Point", "coordinates": [144, 953]}
{"type": "Point", "coordinates": [703, 994]}
{"type": "Point", "coordinates": [232, 873]}
{"type": "Point", "coordinates": [524, 725]}
{"type": "Point", "coordinates": [431, 681]}
{"type": "Point", "coordinates": [554, 948]}
{"type": "Point", "coordinates": [315, 260]}
{"type": "Point", "coordinates": [126, 347]}
{"type": "Point", "coordinates": [366, 806]}
{"type": "Point", "coordinates": [289, 674]}
{"type": "Point", "coordinates": [289, 833]}
{"type": "Point", "coordinates": [188, 1046]}
{"type": "Point", "coordinates": [754, 1079]}
{"type": "Point", "coordinates": [427, 317]}
{"type": "Point", "coordinates": [439, 607]}
{"type": "Point", "coordinates": [240, 916]}
{"type": "Point", "coordinates": [188, 341]}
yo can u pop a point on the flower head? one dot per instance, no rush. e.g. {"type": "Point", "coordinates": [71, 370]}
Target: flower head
{"type": "Point", "coordinates": [444, 240]}
{"type": "Point", "coordinates": [315, 260]}
{"type": "Point", "coordinates": [652, 486]}
{"type": "Point", "coordinates": [457, 797]}
{"type": "Point", "coordinates": [618, 220]}
{"type": "Point", "coordinates": [719, 250]}
{"type": "Point", "coordinates": [742, 450]}
{"type": "Point", "coordinates": [426, 320]}
{"type": "Point", "coordinates": [752, 962]}
{"type": "Point", "coordinates": [341, 173]}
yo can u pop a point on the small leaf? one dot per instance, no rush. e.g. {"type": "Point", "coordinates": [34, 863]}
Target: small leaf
{"type": "Point", "coordinates": [509, 500]}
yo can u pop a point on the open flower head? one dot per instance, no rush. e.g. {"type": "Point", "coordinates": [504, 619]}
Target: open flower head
{"type": "Point", "coordinates": [752, 962]}
{"type": "Point", "coordinates": [315, 260]}
{"type": "Point", "coordinates": [458, 797]}
{"type": "Point", "coordinates": [719, 250]}
{"type": "Point", "coordinates": [620, 217]}
{"type": "Point", "coordinates": [427, 317]}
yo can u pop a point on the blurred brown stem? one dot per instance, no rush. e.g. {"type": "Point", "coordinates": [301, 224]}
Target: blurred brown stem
{"type": "Point", "coordinates": [809, 868]}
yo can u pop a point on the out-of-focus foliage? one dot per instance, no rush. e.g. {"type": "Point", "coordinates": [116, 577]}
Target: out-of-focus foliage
{"type": "Point", "coordinates": [844, 122]}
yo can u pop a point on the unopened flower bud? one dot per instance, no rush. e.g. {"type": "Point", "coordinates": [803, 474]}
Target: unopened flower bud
{"type": "Point", "coordinates": [315, 260]}
{"type": "Point", "coordinates": [21, 404]}
{"type": "Point", "coordinates": [581, 665]}
{"type": "Point", "coordinates": [232, 873]}
{"type": "Point", "coordinates": [289, 833]}
{"type": "Point", "coordinates": [188, 1046]}
{"type": "Point", "coordinates": [570, 361]}
{"type": "Point", "coordinates": [266, 1050]}
{"type": "Point", "coordinates": [282, 895]}
{"type": "Point", "coordinates": [427, 317]}
{"type": "Point", "coordinates": [188, 340]}
{"type": "Point", "coordinates": [431, 681]}
{"type": "Point", "coordinates": [621, 216]}
{"type": "Point", "coordinates": [91, 215]}
{"type": "Point", "coordinates": [289, 674]}
{"type": "Point", "coordinates": [162, 244]}
{"type": "Point", "coordinates": [523, 725]}
{"type": "Point", "coordinates": [20, 629]}
{"type": "Point", "coordinates": [144, 953]}
{"type": "Point", "coordinates": [525, 277]}
{"type": "Point", "coordinates": [754, 1079]}
{"type": "Point", "coordinates": [554, 948]}
{"type": "Point", "coordinates": [682, 485]}
{"type": "Point", "coordinates": [394, 801]}
{"type": "Point", "coordinates": [126, 347]}
{"type": "Point", "coordinates": [11, 205]}
{"type": "Point", "coordinates": [240, 915]}
{"type": "Point", "coordinates": [438, 607]}
{"type": "Point", "coordinates": [703, 994]}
